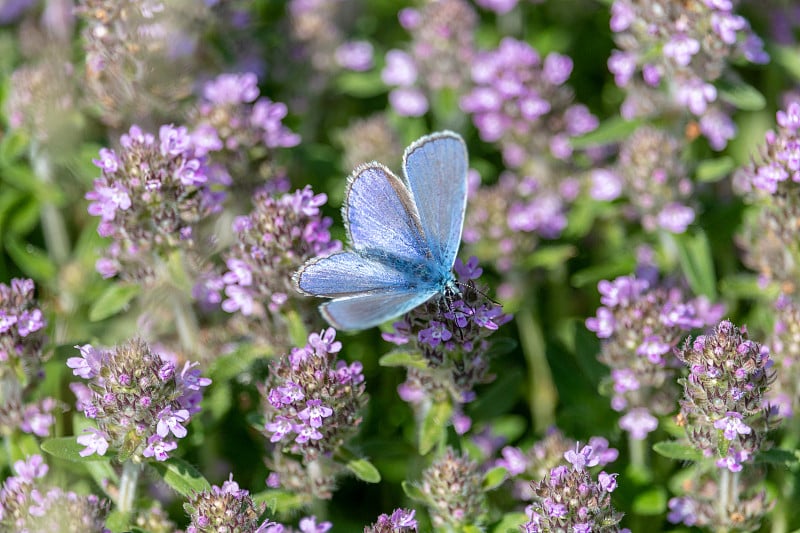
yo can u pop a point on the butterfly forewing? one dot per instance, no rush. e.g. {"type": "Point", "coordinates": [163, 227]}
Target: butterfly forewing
{"type": "Point", "coordinates": [436, 167]}
{"type": "Point", "coordinates": [381, 217]}
{"type": "Point", "coordinates": [347, 274]}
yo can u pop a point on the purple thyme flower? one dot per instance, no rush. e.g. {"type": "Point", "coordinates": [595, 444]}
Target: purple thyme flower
{"type": "Point", "coordinates": [226, 507]}
{"type": "Point", "coordinates": [641, 322]}
{"type": "Point", "coordinates": [311, 402]}
{"type": "Point", "coordinates": [729, 376]}
{"type": "Point", "coordinates": [137, 405]}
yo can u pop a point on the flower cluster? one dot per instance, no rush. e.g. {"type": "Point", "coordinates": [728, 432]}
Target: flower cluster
{"type": "Point", "coordinates": [772, 181]}
{"type": "Point", "coordinates": [640, 323]}
{"type": "Point", "coordinates": [311, 404]}
{"type": "Point", "coordinates": [22, 340]}
{"type": "Point", "coordinates": [369, 139]}
{"type": "Point", "coordinates": [520, 101]}
{"type": "Point", "coordinates": [546, 454]}
{"type": "Point", "coordinates": [569, 499]}
{"type": "Point", "coordinates": [650, 173]}
{"type": "Point", "coordinates": [151, 195]}
{"type": "Point", "coordinates": [400, 521]}
{"type": "Point", "coordinates": [226, 508]}
{"type": "Point", "coordinates": [26, 506]}
{"type": "Point", "coordinates": [504, 221]}
{"type": "Point", "coordinates": [316, 25]}
{"type": "Point", "coordinates": [720, 504]}
{"type": "Point", "coordinates": [43, 99]}
{"type": "Point", "coordinates": [451, 334]}
{"type": "Point", "coordinates": [22, 335]}
{"type": "Point", "coordinates": [140, 402]}
{"type": "Point", "coordinates": [278, 236]}
{"type": "Point", "coordinates": [138, 55]}
{"type": "Point", "coordinates": [452, 485]}
{"type": "Point", "coordinates": [681, 48]}
{"type": "Point", "coordinates": [442, 44]}
{"type": "Point", "coordinates": [241, 129]}
{"type": "Point", "coordinates": [784, 345]}
{"type": "Point", "coordinates": [723, 408]}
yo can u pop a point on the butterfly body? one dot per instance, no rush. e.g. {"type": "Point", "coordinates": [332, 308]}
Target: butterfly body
{"type": "Point", "coordinates": [403, 233]}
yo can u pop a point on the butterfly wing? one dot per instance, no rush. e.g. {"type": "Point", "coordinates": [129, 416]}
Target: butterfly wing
{"type": "Point", "coordinates": [381, 217]}
{"type": "Point", "coordinates": [346, 274]}
{"type": "Point", "coordinates": [365, 291]}
{"type": "Point", "coordinates": [370, 309]}
{"type": "Point", "coordinates": [436, 167]}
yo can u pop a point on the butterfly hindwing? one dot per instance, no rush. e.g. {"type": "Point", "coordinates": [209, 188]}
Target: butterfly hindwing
{"type": "Point", "coordinates": [436, 167]}
{"type": "Point", "coordinates": [380, 215]}
{"type": "Point", "coordinates": [368, 310]}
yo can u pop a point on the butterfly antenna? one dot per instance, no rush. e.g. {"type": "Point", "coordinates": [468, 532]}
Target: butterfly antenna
{"type": "Point", "coordinates": [472, 286]}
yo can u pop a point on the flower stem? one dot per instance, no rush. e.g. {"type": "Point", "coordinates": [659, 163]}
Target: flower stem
{"type": "Point", "coordinates": [543, 398]}
{"type": "Point", "coordinates": [185, 323]}
{"type": "Point", "coordinates": [127, 486]}
{"type": "Point", "coordinates": [53, 225]}
{"type": "Point", "coordinates": [637, 448]}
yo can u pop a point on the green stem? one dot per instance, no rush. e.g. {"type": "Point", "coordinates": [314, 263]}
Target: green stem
{"type": "Point", "coordinates": [53, 225]}
{"type": "Point", "coordinates": [186, 324]}
{"type": "Point", "coordinates": [637, 448]}
{"type": "Point", "coordinates": [127, 486]}
{"type": "Point", "coordinates": [543, 396]}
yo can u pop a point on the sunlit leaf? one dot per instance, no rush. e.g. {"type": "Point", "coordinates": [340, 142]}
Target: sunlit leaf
{"type": "Point", "coordinates": [113, 300]}
{"type": "Point", "coordinates": [69, 449]}
{"type": "Point", "coordinates": [184, 478]}
{"type": "Point", "coordinates": [677, 451]}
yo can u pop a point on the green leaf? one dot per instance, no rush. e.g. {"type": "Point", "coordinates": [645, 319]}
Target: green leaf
{"type": "Point", "coordinates": [609, 131]}
{"type": "Point", "coordinates": [694, 255]}
{"type": "Point", "coordinates": [650, 502]}
{"type": "Point", "coordinates": [501, 346]}
{"type": "Point", "coordinates": [256, 421]}
{"type": "Point", "coordinates": [712, 170]}
{"type": "Point", "coordinates": [550, 257]}
{"type": "Point", "coordinates": [787, 57]}
{"type": "Point", "coordinates": [741, 95]}
{"type": "Point", "coordinates": [510, 523]}
{"type": "Point", "coordinates": [360, 84]}
{"type": "Point", "coordinates": [414, 492]}
{"type": "Point", "coordinates": [403, 358]}
{"type": "Point", "coordinates": [364, 470]}
{"type": "Point", "coordinates": [113, 300]}
{"type": "Point", "coordinates": [12, 146]}
{"type": "Point", "coordinates": [471, 529]}
{"type": "Point", "coordinates": [229, 365]}
{"type": "Point", "coordinates": [102, 473]}
{"type": "Point", "coordinates": [31, 260]}
{"type": "Point", "coordinates": [21, 446]}
{"type": "Point", "coordinates": [494, 478]}
{"type": "Point", "coordinates": [118, 522]}
{"type": "Point", "coordinates": [69, 449]}
{"type": "Point", "coordinates": [433, 426]}
{"type": "Point", "coordinates": [298, 333]}
{"type": "Point", "coordinates": [25, 215]}
{"type": "Point", "coordinates": [591, 275]}
{"type": "Point", "coordinates": [280, 502]}
{"type": "Point", "coordinates": [777, 456]}
{"type": "Point", "coordinates": [181, 476]}
{"type": "Point", "coordinates": [677, 451]}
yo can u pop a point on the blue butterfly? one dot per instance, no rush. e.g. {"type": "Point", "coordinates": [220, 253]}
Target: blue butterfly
{"type": "Point", "coordinates": [404, 236]}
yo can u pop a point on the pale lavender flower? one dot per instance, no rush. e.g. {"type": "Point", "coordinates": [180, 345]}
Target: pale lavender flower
{"type": "Point", "coordinates": [311, 402]}
{"type": "Point", "coordinates": [136, 414]}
